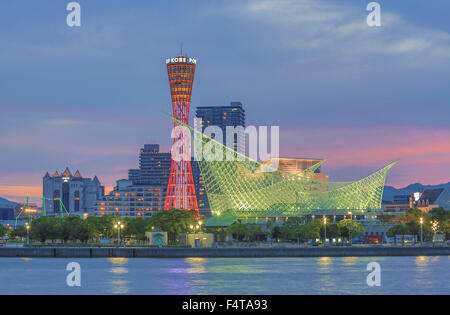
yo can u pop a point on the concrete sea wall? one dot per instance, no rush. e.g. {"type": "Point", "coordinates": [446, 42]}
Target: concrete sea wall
{"type": "Point", "coordinates": [220, 252]}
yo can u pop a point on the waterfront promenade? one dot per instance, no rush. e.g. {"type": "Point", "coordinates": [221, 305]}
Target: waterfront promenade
{"type": "Point", "coordinates": [222, 252]}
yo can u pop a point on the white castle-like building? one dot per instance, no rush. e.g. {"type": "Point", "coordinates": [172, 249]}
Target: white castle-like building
{"type": "Point", "coordinates": [74, 192]}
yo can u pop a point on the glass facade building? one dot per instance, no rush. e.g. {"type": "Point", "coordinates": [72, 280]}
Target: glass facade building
{"type": "Point", "coordinates": [223, 117]}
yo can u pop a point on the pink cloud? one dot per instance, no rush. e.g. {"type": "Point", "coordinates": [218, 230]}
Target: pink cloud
{"type": "Point", "coordinates": [19, 193]}
{"type": "Point", "coordinates": [423, 154]}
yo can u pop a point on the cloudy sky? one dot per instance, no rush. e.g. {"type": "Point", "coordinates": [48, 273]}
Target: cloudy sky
{"type": "Point", "coordinates": [90, 97]}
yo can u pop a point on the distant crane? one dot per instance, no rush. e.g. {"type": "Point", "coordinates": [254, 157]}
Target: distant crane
{"type": "Point", "coordinates": [26, 209]}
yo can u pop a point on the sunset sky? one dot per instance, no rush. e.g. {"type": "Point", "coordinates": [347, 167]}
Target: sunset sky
{"type": "Point", "coordinates": [90, 97]}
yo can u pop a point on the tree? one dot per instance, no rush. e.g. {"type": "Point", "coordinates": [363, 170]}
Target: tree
{"type": "Point", "coordinates": [445, 228]}
{"type": "Point", "coordinates": [332, 230]}
{"type": "Point", "coordinates": [71, 228]}
{"type": "Point", "coordinates": [238, 230]}
{"type": "Point", "coordinates": [395, 230]}
{"type": "Point", "coordinates": [291, 228]}
{"type": "Point", "coordinates": [106, 225]}
{"type": "Point", "coordinates": [350, 228]}
{"type": "Point", "coordinates": [94, 227]}
{"type": "Point", "coordinates": [414, 215]}
{"type": "Point", "coordinates": [18, 232]}
{"type": "Point", "coordinates": [135, 228]}
{"type": "Point", "coordinates": [268, 230]}
{"type": "Point", "coordinates": [253, 231]}
{"type": "Point", "coordinates": [309, 230]}
{"type": "Point", "coordinates": [276, 233]}
{"type": "Point", "coordinates": [44, 228]}
{"type": "Point", "coordinates": [82, 232]}
{"type": "Point", "coordinates": [219, 232]}
{"type": "Point", "coordinates": [413, 228]}
{"type": "Point", "coordinates": [3, 230]}
{"type": "Point", "coordinates": [173, 221]}
{"type": "Point", "coordinates": [439, 214]}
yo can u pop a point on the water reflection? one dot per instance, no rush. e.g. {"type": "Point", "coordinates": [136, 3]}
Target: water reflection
{"type": "Point", "coordinates": [193, 265]}
{"type": "Point", "coordinates": [29, 262]}
{"type": "Point", "coordinates": [350, 260]}
{"type": "Point", "coordinates": [119, 270]}
{"type": "Point", "coordinates": [422, 261]}
{"type": "Point", "coordinates": [227, 265]}
{"type": "Point", "coordinates": [197, 265]}
{"type": "Point", "coordinates": [326, 280]}
{"type": "Point", "coordinates": [118, 260]}
{"type": "Point", "coordinates": [435, 259]}
{"type": "Point", "coordinates": [311, 275]}
{"type": "Point", "coordinates": [239, 266]}
{"type": "Point", "coordinates": [119, 287]}
{"type": "Point", "coordinates": [119, 283]}
{"type": "Point", "coordinates": [324, 262]}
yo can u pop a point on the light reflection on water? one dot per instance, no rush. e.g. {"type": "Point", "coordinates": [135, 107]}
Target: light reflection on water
{"type": "Point", "coordinates": [195, 265]}
{"type": "Point", "coordinates": [350, 260]}
{"type": "Point", "coordinates": [324, 275]}
{"type": "Point", "coordinates": [324, 261]}
{"type": "Point", "coordinates": [118, 260]}
{"type": "Point", "coordinates": [118, 283]}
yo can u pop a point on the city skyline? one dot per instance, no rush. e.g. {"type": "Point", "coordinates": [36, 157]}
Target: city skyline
{"type": "Point", "coordinates": [89, 98]}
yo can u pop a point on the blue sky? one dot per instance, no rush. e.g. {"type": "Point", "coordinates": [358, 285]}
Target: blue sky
{"type": "Point", "coordinates": [90, 97]}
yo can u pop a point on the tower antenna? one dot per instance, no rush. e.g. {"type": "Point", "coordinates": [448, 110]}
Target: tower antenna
{"type": "Point", "coordinates": [181, 49]}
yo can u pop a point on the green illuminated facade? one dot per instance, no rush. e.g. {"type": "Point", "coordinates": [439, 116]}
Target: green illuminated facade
{"type": "Point", "coordinates": [247, 189]}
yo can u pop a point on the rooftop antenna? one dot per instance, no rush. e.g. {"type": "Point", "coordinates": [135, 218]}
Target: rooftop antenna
{"type": "Point", "coordinates": [181, 49]}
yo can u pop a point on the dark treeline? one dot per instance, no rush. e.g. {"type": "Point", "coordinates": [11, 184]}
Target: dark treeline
{"type": "Point", "coordinates": [174, 222]}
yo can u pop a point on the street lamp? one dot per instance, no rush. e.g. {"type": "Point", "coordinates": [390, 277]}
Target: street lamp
{"type": "Point", "coordinates": [27, 226]}
{"type": "Point", "coordinates": [421, 230]}
{"type": "Point", "coordinates": [119, 226]}
{"type": "Point", "coordinates": [325, 226]}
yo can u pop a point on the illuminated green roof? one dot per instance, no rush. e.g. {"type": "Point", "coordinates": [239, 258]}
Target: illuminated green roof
{"type": "Point", "coordinates": [246, 188]}
{"type": "Point", "coordinates": [225, 219]}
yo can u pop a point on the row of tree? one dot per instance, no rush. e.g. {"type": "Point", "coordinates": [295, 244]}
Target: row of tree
{"type": "Point", "coordinates": [296, 229]}
{"type": "Point", "coordinates": [174, 222]}
{"type": "Point", "coordinates": [410, 223]}
{"type": "Point", "coordinates": [74, 228]}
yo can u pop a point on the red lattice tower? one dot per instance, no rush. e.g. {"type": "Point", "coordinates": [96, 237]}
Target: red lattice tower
{"type": "Point", "coordinates": [181, 190]}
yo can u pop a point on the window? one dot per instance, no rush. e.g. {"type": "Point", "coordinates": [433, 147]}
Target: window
{"type": "Point", "coordinates": [77, 201]}
{"type": "Point", "coordinates": [66, 196]}
{"type": "Point", "coordinates": [56, 200]}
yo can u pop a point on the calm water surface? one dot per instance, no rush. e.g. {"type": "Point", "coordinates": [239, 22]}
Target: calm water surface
{"type": "Point", "coordinates": [325, 275]}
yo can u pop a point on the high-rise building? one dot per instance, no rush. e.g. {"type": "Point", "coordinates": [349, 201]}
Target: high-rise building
{"type": "Point", "coordinates": [154, 167]}
{"type": "Point", "coordinates": [75, 192]}
{"type": "Point", "coordinates": [180, 189]}
{"type": "Point", "coordinates": [200, 190]}
{"type": "Point", "coordinates": [129, 200]}
{"type": "Point", "coordinates": [223, 117]}
{"type": "Point", "coordinates": [153, 172]}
